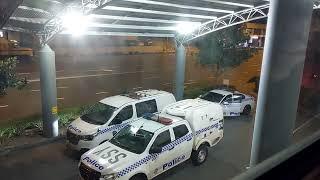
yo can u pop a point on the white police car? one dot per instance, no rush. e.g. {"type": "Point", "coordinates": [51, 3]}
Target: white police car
{"type": "Point", "coordinates": [233, 103]}
{"type": "Point", "coordinates": [112, 114]}
{"type": "Point", "coordinates": [155, 144]}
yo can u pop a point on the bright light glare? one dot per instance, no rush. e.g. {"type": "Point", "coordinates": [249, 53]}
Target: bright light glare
{"type": "Point", "coordinates": [75, 23]}
{"type": "Point", "coordinates": [187, 27]}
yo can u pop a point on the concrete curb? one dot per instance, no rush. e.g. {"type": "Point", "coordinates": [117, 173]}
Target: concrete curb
{"type": "Point", "coordinates": [8, 150]}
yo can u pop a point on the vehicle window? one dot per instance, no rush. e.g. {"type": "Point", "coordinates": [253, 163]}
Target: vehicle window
{"type": "Point", "coordinates": [180, 131]}
{"type": "Point", "coordinates": [132, 139]}
{"type": "Point", "coordinates": [213, 97]}
{"type": "Point", "coordinates": [236, 99]}
{"type": "Point", "coordinates": [228, 99]}
{"type": "Point", "coordinates": [146, 107]}
{"type": "Point", "coordinates": [98, 114]}
{"type": "Point", "coordinates": [242, 96]}
{"type": "Point", "coordinates": [162, 139]}
{"type": "Point", "coordinates": [125, 114]}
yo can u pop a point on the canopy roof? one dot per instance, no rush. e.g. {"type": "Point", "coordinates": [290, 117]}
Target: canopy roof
{"type": "Point", "coordinates": [153, 18]}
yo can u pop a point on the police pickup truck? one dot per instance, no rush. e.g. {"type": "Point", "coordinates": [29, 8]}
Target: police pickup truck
{"type": "Point", "coordinates": [112, 114]}
{"type": "Point", "coordinates": [155, 144]}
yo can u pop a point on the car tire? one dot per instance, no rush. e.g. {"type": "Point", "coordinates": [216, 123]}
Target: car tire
{"type": "Point", "coordinates": [199, 156]}
{"type": "Point", "coordinates": [246, 110]}
{"type": "Point", "coordinates": [138, 177]}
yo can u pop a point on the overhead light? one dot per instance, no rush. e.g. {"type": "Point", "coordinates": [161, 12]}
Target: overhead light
{"type": "Point", "coordinates": [185, 28]}
{"type": "Point", "coordinates": [75, 23]}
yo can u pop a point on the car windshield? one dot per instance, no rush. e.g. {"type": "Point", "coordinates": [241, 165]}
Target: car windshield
{"type": "Point", "coordinates": [132, 139]}
{"type": "Point", "coordinates": [213, 97]}
{"type": "Point", "coordinates": [98, 114]}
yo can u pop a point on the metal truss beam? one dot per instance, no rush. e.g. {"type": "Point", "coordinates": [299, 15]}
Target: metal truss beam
{"type": "Point", "coordinates": [316, 5]}
{"type": "Point", "coordinates": [250, 14]}
{"type": "Point", "coordinates": [243, 16]}
{"type": "Point", "coordinates": [146, 11]}
{"type": "Point", "coordinates": [100, 33]}
{"type": "Point", "coordinates": [230, 3]}
{"type": "Point", "coordinates": [34, 9]}
{"type": "Point", "coordinates": [7, 8]}
{"type": "Point", "coordinates": [121, 26]}
{"type": "Point", "coordinates": [137, 19]}
{"type": "Point", "coordinates": [179, 6]}
{"type": "Point", "coordinates": [10, 28]}
{"type": "Point", "coordinates": [30, 20]}
{"type": "Point", "coordinates": [54, 25]}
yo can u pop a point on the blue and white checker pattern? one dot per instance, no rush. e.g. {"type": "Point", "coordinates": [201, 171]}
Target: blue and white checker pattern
{"type": "Point", "coordinates": [117, 127]}
{"type": "Point", "coordinates": [174, 143]}
{"type": "Point", "coordinates": [144, 160]}
{"type": "Point", "coordinates": [216, 125]}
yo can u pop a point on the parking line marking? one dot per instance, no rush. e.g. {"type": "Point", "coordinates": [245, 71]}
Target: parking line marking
{"type": "Point", "coordinates": [24, 73]}
{"type": "Point", "coordinates": [211, 77]}
{"type": "Point", "coordinates": [4, 106]}
{"type": "Point", "coordinates": [102, 92]}
{"type": "Point", "coordinates": [35, 90]}
{"type": "Point", "coordinates": [152, 77]}
{"type": "Point", "coordinates": [60, 98]}
{"type": "Point", "coordinates": [307, 122]}
{"type": "Point", "coordinates": [62, 87]}
{"type": "Point", "coordinates": [189, 83]}
{"type": "Point", "coordinates": [166, 84]}
{"type": "Point", "coordinates": [88, 76]}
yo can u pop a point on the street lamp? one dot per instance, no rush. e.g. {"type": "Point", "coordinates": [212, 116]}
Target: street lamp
{"type": "Point", "coordinates": [75, 23]}
{"type": "Point", "coordinates": [185, 28]}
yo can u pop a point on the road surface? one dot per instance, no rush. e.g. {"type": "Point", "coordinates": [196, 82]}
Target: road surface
{"type": "Point", "coordinates": [87, 79]}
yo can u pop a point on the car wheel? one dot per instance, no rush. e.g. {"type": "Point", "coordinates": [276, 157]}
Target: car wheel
{"type": "Point", "coordinates": [200, 155]}
{"type": "Point", "coordinates": [138, 177]}
{"type": "Point", "coordinates": [246, 110]}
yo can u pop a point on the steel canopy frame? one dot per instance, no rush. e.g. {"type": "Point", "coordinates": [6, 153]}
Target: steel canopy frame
{"type": "Point", "coordinates": [242, 16]}
{"type": "Point", "coordinates": [134, 23]}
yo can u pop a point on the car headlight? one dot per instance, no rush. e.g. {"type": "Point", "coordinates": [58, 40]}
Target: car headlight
{"type": "Point", "coordinates": [110, 176]}
{"type": "Point", "coordinates": [88, 137]}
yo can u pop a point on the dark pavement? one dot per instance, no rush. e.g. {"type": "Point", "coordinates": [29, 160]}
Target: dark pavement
{"type": "Point", "coordinates": [52, 162]}
{"type": "Point", "coordinates": [95, 77]}
{"type": "Point", "coordinates": [226, 160]}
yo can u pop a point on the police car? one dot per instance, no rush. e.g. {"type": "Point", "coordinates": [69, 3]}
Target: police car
{"type": "Point", "coordinates": [152, 145]}
{"type": "Point", "coordinates": [112, 114]}
{"type": "Point", "coordinates": [233, 103]}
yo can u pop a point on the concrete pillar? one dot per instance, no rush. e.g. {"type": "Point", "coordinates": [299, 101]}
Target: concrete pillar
{"type": "Point", "coordinates": [180, 70]}
{"type": "Point", "coordinates": [48, 92]}
{"type": "Point", "coordinates": [281, 73]}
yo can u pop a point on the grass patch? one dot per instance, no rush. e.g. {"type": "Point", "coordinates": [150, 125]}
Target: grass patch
{"type": "Point", "coordinates": [18, 127]}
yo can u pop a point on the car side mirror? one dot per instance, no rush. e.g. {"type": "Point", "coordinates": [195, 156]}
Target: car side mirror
{"type": "Point", "coordinates": [155, 150]}
{"type": "Point", "coordinates": [225, 103]}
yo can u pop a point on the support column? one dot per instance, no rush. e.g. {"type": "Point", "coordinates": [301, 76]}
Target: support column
{"type": "Point", "coordinates": [281, 73]}
{"type": "Point", "coordinates": [180, 70]}
{"type": "Point", "coordinates": [48, 92]}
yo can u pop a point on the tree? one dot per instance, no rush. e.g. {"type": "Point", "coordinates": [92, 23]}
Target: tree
{"type": "Point", "coordinates": [223, 48]}
{"type": "Point", "coordinates": [8, 76]}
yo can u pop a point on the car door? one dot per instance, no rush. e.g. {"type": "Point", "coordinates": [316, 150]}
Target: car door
{"type": "Point", "coordinates": [235, 106]}
{"type": "Point", "coordinates": [183, 137]}
{"type": "Point", "coordinates": [160, 162]}
{"type": "Point", "coordinates": [226, 105]}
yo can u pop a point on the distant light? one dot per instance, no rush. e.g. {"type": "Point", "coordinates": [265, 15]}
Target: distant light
{"type": "Point", "coordinates": [255, 37]}
{"type": "Point", "coordinates": [1, 34]}
{"type": "Point", "coordinates": [185, 28]}
{"type": "Point", "coordinates": [75, 23]}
